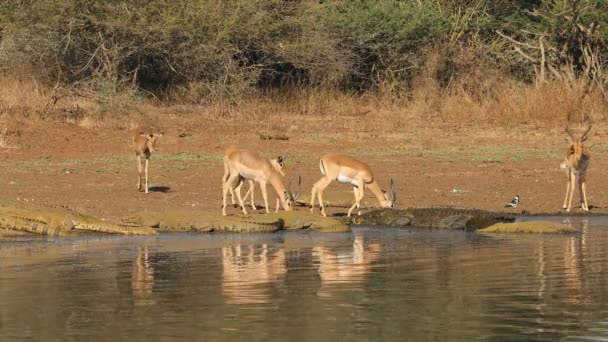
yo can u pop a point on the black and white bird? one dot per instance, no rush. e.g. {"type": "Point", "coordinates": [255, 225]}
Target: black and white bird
{"type": "Point", "coordinates": [514, 203]}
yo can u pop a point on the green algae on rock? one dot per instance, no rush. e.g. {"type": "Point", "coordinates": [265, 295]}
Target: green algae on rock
{"type": "Point", "coordinates": [536, 227]}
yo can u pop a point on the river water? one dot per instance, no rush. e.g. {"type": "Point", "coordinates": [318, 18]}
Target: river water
{"type": "Point", "coordinates": [372, 284]}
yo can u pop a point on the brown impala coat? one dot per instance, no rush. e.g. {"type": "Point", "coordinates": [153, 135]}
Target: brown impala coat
{"type": "Point", "coordinates": [575, 165]}
{"type": "Point", "coordinates": [241, 164]}
{"type": "Point", "coordinates": [346, 169]}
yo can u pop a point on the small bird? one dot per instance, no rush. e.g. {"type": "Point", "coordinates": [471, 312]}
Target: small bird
{"type": "Point", "coordinates": [514, 203]}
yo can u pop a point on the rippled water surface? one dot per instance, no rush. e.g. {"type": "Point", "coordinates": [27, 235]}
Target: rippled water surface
{"type": "Point", "coordinates": [371, 284]}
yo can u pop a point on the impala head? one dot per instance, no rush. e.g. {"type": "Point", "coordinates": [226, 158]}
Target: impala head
{"type": "Point", "coordinates": [389, 199]}
{"type": "Point", "coordinates": [577, 141]}
{"type": "Point", "coordinates": [151, 139]}
{"type": "Point", "coordinates": [289, 198]}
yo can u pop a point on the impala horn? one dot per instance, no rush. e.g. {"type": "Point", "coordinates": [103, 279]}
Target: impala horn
{"type": "Point", "coordinates": [393, 192]}
{"type": "Point", "coordinates": [297, 194]}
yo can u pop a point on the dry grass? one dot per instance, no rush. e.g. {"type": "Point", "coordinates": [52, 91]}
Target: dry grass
{"type": "Point", "coordinates": [494, 101]}
{"type": "Point", "coordinates": [6, 139]}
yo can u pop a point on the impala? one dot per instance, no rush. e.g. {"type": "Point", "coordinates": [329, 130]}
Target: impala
{"type": "Point", "coordinates": [144, 143]}
{"type": "Point", "coordinates": [278, 164]}
{"type": "Point", "coordinates": [575, 165]}
{"type": "Point", "coordinates": [242, 164]}
{"type": "Point", "coordinates": [347, 169]}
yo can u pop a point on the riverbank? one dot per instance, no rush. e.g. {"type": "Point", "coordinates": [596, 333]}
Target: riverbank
{"type": "Point", "coordinates": [93, 169]}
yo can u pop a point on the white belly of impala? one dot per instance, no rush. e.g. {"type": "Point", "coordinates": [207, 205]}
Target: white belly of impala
{"type": "Point", "coordinates": [344, 179]}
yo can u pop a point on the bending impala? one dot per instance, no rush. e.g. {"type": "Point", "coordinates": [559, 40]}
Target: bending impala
{"type": "Point", "coordinates": [277, 163]}
{"type": "Point", "coordinates": [243, 164]}
{"type": "Point", "coordinates": [144, 143]}
{"type": "Point", "coordinates": [575, 165]}
{"type": "Point", "coordinates": [346, 169]}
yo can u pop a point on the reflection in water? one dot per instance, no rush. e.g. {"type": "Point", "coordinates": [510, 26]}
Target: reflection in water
{"type": "Point", "coordinates": [349, 268]}
{"type": "Point", "coordinates": [142, 277]}
{"type": "Point", "coordinates": [249, 273]}
{"type": "Point", "coordinates": [371, 284]}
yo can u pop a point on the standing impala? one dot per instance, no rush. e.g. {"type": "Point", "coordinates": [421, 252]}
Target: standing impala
{"type": "Point", "coordinates": [144, 143]}
{"type": "Point", "coordinates": [575, 165]}
{"type": "Point", "coordinates": [278, 164]}
{"type": "Point", "coordinates": [347, 169]}
{"type": "Point", "coordinates": [242, 164]}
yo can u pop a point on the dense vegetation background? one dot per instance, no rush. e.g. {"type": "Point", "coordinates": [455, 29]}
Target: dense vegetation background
{"type": "Point", "coordinates": [471, 58]}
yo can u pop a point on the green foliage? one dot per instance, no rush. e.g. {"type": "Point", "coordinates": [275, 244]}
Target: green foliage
{"type": "Point", "coordinates": [227, 49]}
{"type": "Point", "coordinates": [384, 37]}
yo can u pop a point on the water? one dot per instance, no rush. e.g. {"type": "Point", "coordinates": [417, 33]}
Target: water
{"type": "Point", "coordinates": [369, 285]}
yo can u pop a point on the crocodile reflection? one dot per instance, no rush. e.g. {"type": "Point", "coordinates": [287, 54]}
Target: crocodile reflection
{"type": "Point", "coordinates": [339, 268]}
{"type": "Point", "coordinates": [142, 277]}
{"type": "Point", "coordinates": [250, 271]}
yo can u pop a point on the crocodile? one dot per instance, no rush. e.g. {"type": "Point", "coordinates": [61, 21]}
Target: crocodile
{"type": "Point", "coordinates": [58, 221]}
{"type": "Point", "coordinates": [206, 222]}
{"type": "Point", "coordinates": [182, 221]}
{"type": "Point", "coordinates": [436, 217]}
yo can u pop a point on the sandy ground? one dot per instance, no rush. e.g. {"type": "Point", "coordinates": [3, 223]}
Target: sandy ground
{"type": "Point", "coordinates": [94, 170]}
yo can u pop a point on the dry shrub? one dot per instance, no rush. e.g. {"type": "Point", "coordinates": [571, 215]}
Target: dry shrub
{"type": "Point", "coordinates": [466, 90]}
{"type": "Point", "coordinates": [475, 96]}
{"type": "Point", "coordinates": [551, 104]}
{"type": "Point", "coordinates": [21, 94]}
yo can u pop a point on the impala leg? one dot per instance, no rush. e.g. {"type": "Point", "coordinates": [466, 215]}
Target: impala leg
{"type": "Point", "coordinates": [225, 189]}
{"type": "Point", "coordinates": [358, 196]}
{"type": "Point", "coordinates": [239, 197]}
{"type": "Point", "coordinates": [583, 194]}
{"type": "Point", "coordinates": [324, 183]}
{"type": "Point", "coordinates": [139, 171]}
{"type": "Point", "coordinates": [567, 192]}
{"type": "Point", "coordinates": [276, 210]}
{"type": "Point", "coordinates": [572, 182]}
{"type": "Point", "coordinates": [225, 179]}
{"type": "Point", "coordinates": [313, 194]}
{"type": "Point", "coordinates": [265, 196]}
{"type": "Point", "coordinates": [147, 162]}
{"type": "Point", "coordinates": [252, 192]}
{"type": "Point", "coordinates": [232, 196]}
{"type": "Point", "coordinates": [359, 202]}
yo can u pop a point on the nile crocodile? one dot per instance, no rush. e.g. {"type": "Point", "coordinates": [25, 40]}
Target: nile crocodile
{"type": "Point", "coordinates": [206, 222]}
{"type": "Point", "coordinates": [436, 217]}
{"type": "Point", "coordinates": [47, 220]}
